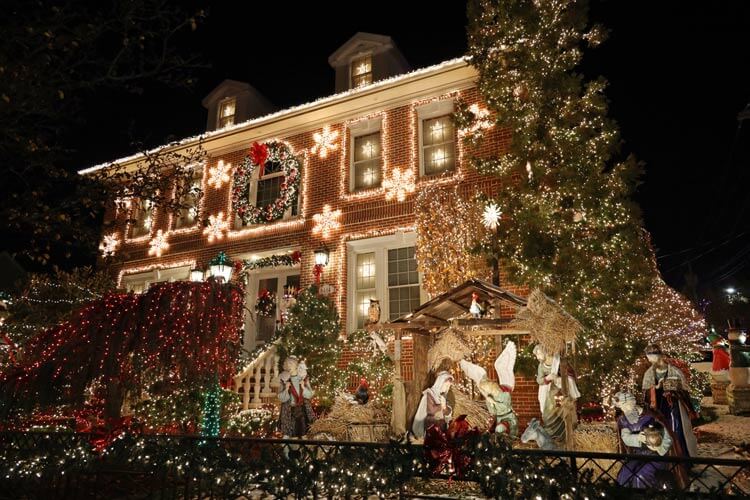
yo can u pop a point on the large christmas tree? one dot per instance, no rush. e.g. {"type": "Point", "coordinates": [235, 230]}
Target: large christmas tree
{"type": "Point", "coordinates": [568, 225]}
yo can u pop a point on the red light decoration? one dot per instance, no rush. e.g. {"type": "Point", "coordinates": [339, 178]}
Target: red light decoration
{"type": "Point", "coordinates": [182, 331]}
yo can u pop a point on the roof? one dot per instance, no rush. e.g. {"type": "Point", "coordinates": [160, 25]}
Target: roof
{"type": "Point", "coordinates": [441, 310]}
{"type": "Point", "coordinates": [302, 108]}
{"type": "Point", "coordinates": [360, 41]}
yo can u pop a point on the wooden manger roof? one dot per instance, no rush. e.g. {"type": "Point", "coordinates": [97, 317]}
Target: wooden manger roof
{"type": "Point", "coordinates": [452, 309]}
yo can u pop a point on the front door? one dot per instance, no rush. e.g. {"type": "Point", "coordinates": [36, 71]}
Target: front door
{"type": "Point", "coordinates": [264, 301]}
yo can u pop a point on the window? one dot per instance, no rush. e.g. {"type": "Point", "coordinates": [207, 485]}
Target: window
{"type": "Point", "coordinates": [188, 216]}
{"type": "Point", "coordinates": [438, 145]}
{"type": "Point", "coordinates": [385, 269]}
{"type": "Point", "coordinates": [227, 108]}
{"type": "Point", "coordinates": [361, 71]}
{"type": "Point", "coordinates": [365, 278]}
{"type": "Point", "coordinates": [267, 190]}
{"type": "Point", "coordinates": [367, 161]}
{"type": "Point", "coordinates": [142, 219]}
{"type": "Point", "coordinates": [139, 283]}
{"type": "Point", "coordinates": [403, 282]}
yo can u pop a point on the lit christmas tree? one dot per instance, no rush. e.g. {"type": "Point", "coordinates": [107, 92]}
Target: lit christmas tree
{"type": "Point", "coordinates": [568, 225]}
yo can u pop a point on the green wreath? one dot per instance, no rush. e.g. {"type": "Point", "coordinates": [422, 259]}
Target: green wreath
{"type": "Point", "coordinates": [268, 155]}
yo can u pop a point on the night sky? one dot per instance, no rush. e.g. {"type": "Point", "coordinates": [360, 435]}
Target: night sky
{"type": "Point", "coordinates": [678, 74]}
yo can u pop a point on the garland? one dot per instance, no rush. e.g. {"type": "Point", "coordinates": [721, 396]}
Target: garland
{"type": "Point", "coordinates": [273, 261]}
{"type": "Point", "coordinates": [264, 156]}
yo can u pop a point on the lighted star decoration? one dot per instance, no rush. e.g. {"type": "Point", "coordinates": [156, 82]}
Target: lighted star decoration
{"type": "Point", "coordinates": [109, 244]}
{"type": "Point", "coordinates": [482, 120]}
{"type": "Point", "coordinates": [399, 184]}
{"type": "Point", "coordinates": [325, 142]}
{"type": "Point", "coordinates": [491, 216]}
{"type": "Point", "coordinates": [158, 244]}
{"type": "Point", "coordinates": [216, 227]}
{"type": "Point", "coordinates": [219, 174]}
{"type": "Point", "coordinates": [326, 222]}
{"type": "Point", "coordinates": [528, 170]}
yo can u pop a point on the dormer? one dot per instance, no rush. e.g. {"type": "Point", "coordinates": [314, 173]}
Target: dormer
{"type": "Point", "coordinates": [234, 102]}
{"type": "Point", "coordinates": [366, 58]}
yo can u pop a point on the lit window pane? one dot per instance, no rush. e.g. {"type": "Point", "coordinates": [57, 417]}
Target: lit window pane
{"type": "Point", "coordinates": [227, 112]}
{"type": "Point", "coordinates": [268, 191]}
{"type": "Point", "coordinates": [365, 271]}
{"type": "Point", "coordinates": [438, 141]}
{"type": "Point", "coordinates": [361, 71]}
{"type": "Point", "coordinates": [403, 282]}
{"type": "Point", "coordinates": [367, 161]}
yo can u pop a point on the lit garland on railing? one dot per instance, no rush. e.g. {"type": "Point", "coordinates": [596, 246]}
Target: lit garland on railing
{"type": "Point", "coordinates": [291, 259]}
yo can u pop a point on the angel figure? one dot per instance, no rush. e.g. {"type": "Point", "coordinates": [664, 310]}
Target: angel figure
{"type": "Point", "coordinates": [433, 408]}
{"type": "Point", "coordinates": [498, 396]}
{"type": "Point", "coordinates": [559, 419]}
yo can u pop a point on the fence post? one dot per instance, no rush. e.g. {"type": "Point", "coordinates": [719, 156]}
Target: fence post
{"type": "Point", "coordinates": [574, 467]}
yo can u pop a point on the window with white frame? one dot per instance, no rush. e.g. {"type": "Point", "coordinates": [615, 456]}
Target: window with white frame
{"type": "Point", "coordinates": [367, 159]}
{"type": "Point", "coordinates": [361, 71]}
{"type": "Point", "coordinates": [140, 282]}
{"type": "Point", "coordinates": [142, 218]}
{"type": "Point", "coordinates": [227, 111]}
{"type": "Point", "coordinates": [188, 215]}
{"type": "Point", "coordinates": [266, 189]}
{"type": "Point", "coordinates": [437, 138]}
{"type": "Point", "coordinates": [385, 269]}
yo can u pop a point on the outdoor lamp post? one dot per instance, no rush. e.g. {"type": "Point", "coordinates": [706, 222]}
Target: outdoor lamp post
{"type": "Point", "coordinates": [196, 275]}
{"type": "Point", "coordinates": [221, 268]}
{"type": "Point", "coordinates": [321, 257]}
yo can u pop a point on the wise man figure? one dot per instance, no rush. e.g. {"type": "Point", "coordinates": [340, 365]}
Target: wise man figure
{"type": "Point", "coordinates": [665, 390]}
{"type": "Point", "coordinates": [296, 413]}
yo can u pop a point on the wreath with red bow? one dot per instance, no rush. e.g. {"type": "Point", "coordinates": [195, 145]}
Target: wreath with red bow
{"type": "Point", "coordinates": [271, 156]}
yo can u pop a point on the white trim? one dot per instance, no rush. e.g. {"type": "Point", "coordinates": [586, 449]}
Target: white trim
{"type": "Point", "coordinates": [380, 246]}
{"type": "Point", "coordinates": [178, 273]}
{"type": "Point", "coordinates": [426, 112]}
{"type": "Point", "coordinates": [358, 129]}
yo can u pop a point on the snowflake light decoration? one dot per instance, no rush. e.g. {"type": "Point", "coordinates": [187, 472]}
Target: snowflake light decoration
{"type": "Point", "coordinates": [158, 244]}
{"type": "Point", "coordinates": [491, 216]}
{"type": "Point", "coordinates": [325, 142]}
{"type": "Point", "coordinates": [326, 222]}
{"type": "Point", "coordinates": [216, 227]}
{"type": "Point", "coordinates": [219, 174]}
{"type": "Point", "coordinates": [481, 123]}
{"type": "Point", "coordinates": [109, 244]}
{"type": "Point", "coordinates": [399, 184]}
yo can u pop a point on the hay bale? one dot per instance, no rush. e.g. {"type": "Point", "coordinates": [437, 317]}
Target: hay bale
{"type": "Point", "coordinates": [602, 438]}
{"type": "Point", "coordinates": [344, 414]}
{"type": "Point", "coordinates": [476, 411]}
{"type": "Point", "coordinates": [451, 345]}
{"type": "Point", "coordinates": [548, 324]}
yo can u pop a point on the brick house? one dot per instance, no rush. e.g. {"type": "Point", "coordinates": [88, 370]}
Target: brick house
{"type": "Point", "coordinates": [382, 118]}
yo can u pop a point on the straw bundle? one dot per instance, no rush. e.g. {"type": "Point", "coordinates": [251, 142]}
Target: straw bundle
{"type": "Point", "coordinates": [476, 411]}
{"type": "Point", "coordinates": [450, 345]}
{"type": "Point", "coordinates": [600, 438]}
{"type": "Point", "coordinates": [548, 324]}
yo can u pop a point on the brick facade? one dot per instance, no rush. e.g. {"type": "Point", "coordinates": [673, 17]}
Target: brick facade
{"type": "Point", "coordinates": [325, 181]}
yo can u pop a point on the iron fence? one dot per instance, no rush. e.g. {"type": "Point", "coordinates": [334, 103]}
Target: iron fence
{"type": "Point", "coordinates": [66, 465]}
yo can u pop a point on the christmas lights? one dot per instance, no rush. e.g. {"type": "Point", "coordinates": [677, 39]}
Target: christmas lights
{"type": "Point", "coordinates": [325, 141]}
{"type": "Point", "coordinates": [219, 174]}
{"type": "Point", "coordinates": [109, 245]}
{"type": "Point", "coordinates": [150, 267]}
{"type": "Point", "coordinates": [399, 184]}
{"type": "Point", "coordinates": [216, 228]}
{"type": "Point", "coordinates": [326, 222]}
{"type": "Point", "coordinates": [491, 216]}
{"type": "Point", "coordinates": [158, 244]}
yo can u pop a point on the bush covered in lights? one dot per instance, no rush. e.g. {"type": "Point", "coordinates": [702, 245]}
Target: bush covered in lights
{"type": "Point", "coordinates": [312, 334]}
{"type": "Point", "coordinates": [254, 422]}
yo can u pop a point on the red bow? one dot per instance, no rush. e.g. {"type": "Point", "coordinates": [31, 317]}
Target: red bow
{"type": "Point", "coordinates": [259, 155]}
{"type": "Point", "coordinates": [446, 450]}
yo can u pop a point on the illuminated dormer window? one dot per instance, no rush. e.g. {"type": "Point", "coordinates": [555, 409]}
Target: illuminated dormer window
{"type": "Point", "coordinates": [361, 71]}
{"type": "Point", "coordinates": [227, 109]}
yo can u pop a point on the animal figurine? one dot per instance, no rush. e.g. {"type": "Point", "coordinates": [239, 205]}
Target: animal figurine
{"type": "Point", "coordinates": [535, 432]}
{"type": "Point", "coordinates": [373, 312]}
{"type": "Point", "coordinates": [361, 394]}
{"type": "Point", "coordinates": [475, 309]}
